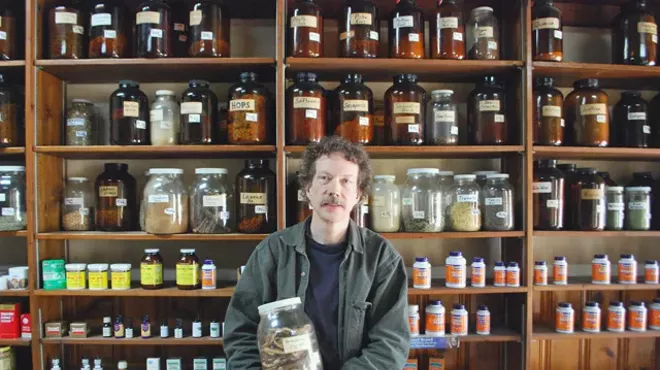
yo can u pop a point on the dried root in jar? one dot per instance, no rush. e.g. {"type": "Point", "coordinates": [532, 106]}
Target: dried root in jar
{"type": "Point", "coordinates": [275, 357]}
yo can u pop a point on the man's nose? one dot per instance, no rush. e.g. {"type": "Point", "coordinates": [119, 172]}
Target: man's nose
{"type": "Point", "coordinates": [335, 187]}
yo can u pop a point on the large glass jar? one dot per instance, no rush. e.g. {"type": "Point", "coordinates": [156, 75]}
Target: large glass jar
{"type": "Point", "coordinates": [635, 35]}
{"type": "Point", "coordinates": [379, 123]}
{"type": "Point", "coordinates": [421, 202]}
{"type": "Point", "coordinates": [256, 195]}
{"type": "Point", "coordinates": [78, 208]}
{"type": "Point", "coordinates": [359, 30]}
{"type": "Point", "coordinates": [547, 35]}
{"type": "Point", "coordinates": [631, 125]}
{"type": "Point", "coordinates": [164, 119]}
{"type": "Point", "coordinates": [616, 207]}
{"type": "Point", "coordinates": [487, 114]}
{"type": "Point", "coordinates": [66, 33]}
{"type": "Point", "coordinates": [211, 201]}
{"type": "Point", "coordinates": [116, 199]}
{"type": "Point", "coordinates": [447, 31]}
{"type": "Point", "coordinates": [250, 120]}
{"type": "Point", "coordinates": [464, 213]}
{"type": "Point", "coordinates": [153, 31]}
{"type": "Point", "coordinates": [646, 179]}
{"type": "Point", "coordinates": [548, 122]}
{"type": "Point", "coordinates": [298, 202]}
{"type": "Point", "coordinates": [180, 18]}
{"type": "Point", "coordinates": [305, 30]}
{"type": "Point", "coordinates": [548, 196]}
{"type": "Point", "coordinates": [81, 123]}
{"type": "Point", "coordinates": [638, 208]}
{"type": "Point", "coordinates": [8, 32]}
{"type": "Point", "coordinates": [360, 213]}
{"type": "Point", "coordinates": [11, 132]}
{"type": "Point", "coordinates": [306, 110]}
{"type": "Point", "coordinates": [591, 214]}
{"type": "Point", "coordinates": [569, 170]}
{"type": "Point", "coordinates": [354, 106]}
{"type": "Point", "coordinates": [587, 115]}
{"type": "Point", "coordinates": [166, 206]}
{"type": "Point", "coordinates": [606, 176]}
{"type": "Point", "coordinates": [208, 29]}
{"type": "Point", "coordinates": [484, 32]}
{"type": "Point", "coordinates": [282, 324]}
{"type": "Point", "coordinates": [497, 203]}
{"type": "Point", "coordinates": [107, 31]}
{"type": "Point", "coordinates": [13, 215]}
{"type": "Point", "coordinates": [442, 119]}
{"type": "Point", "coordinates": [385, 205]}
{"type": "Point", "coordinates": [199, 114]}
{"type": "Point", "coordinates": [406, 31]}
{"type": "Point", "coordinates": [129, 115]}
{"type": "Point", "coordinates": [405, 110]}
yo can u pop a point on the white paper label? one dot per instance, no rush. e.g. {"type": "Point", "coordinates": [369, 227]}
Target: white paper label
{"type": "Point", "coordinates": [552, 203]}
{"type": "Point", "coordinates": [647, 27]}
{"type": "Point", "coordinates": [551, 111]}
{"type": "Point", "coordinates": [3, 35]}
{"type": "Point", "coordinates": [83, 211]}
{"type": "Point", "coordinates": [646, 129]}
{"type": "Point", "coordinates": [260, 210]}
{"type": "Point", "coordinates": [407, 201]}
{"type": "Point", "coordinates": [638, 206]}
{"type": "Point", "coordinates": [542, 187]}
{"type": "Point", "coordinates": [140, 124]}
{"type": "Point", "coordinates": [418, 215]}
{"type": "Point", "coordinates": [361, 19]}
{"type": "Point", "coordinates": [170, 211]}
{"type": "Point", "coordinates": [252, 117]}
{"type": "Point", "coordinates": [147, 17]}
{"type": "Point", "coordinates": [101, 19]}
{"type": "Point", "coordinates": [8, 211]}
{"type": "Point", "coordinates": [492, 45]}
{"type": "Point", "coordinates": [314, 36]}
{"type": "Point", "coordinates": [74, 201]}
{"type": "Point", "coordinates": [364, 208]}
{"type": "Point", "coordinates": [403, 22]}
{"type": "Point", "coordinates": [214, 201]}
{"type": "Point", "coordinates": [654, 39]}
{"type": "Point", "coordinates": [601, 118]}
{"type": "Point", "coordinates": [156, 115]}
{"type": "Point", "coordinates": [191, 108]}
{"type": "Point", "coordinates": [559, 34]}
{"type": "Point", "coordinates": [194, 118]}
{"type": "Point", "coordinates": [131, 109]}
{"type": "Point", "coordinates": [304, 102]}
{"type": "Point", "coordinates": [484, 32]}
{"type": "Point", "coordinates": [207, 35]}
{"type": "Point", "coordinates": [499, 118]}
{"type": "Point", "coordinates": [304, 21]}
{"type": "Point", "coordinates": [563, 123]}
{"type": "Point", "coordinates": [593, 109]}
{"type": "Point", "coordinates": [3, 197]}
{"type": "Point", "coordinates": [195, 18]}
{"type": "Point", "coordinates": [120, 202]}
{"type": "Point", "coordinates": [637, 116]}
{"type": "Point", "coordinates": [66, 18]}
{"type": "Point", "coordinates": [81, 133]}
{"type": "Point", "coordinates": [545, 23]}
{"type": "Point", "coordinates": [501, 214]}
{"type": "Point", "coordinates": [493, 201]}
{"type": "Point", "coordinates": [462, 198]}
{"type": "Point", "coordinates": [458, 36]}
{"type": "Point", "coordinates": [238, 105]}
{"type": "Point", "coordinates": [352, 105]}
{"type": "Point", "coordinates": [364, 121]}
{"type": "Point", "coordinates": [296, 343]}
{"type": "Point", "coordinates": [414, 129]}
{"type": "Point", "coordinates": [454, 130]}
{"type": "Point", "coordinates": [374, 35]}
{"type": "Point", "coordinates": [75, 122]}
{"type": "Point", "coordinates": [448, 22]}
{"type": "Point", "coordinates": [158, 198]}
{"type": "Point", "coordinates": [444, 116]}
{"type": "Point", "coordinates": [78, 29]}
{"type": "Point", "coordinates": [489, 106]}
{"type": "Point", "coordinates": [413, 37]}
{"type": "Point", "coordinates": [110, 34]}
{"type": "Point", "coordinates": [157, 33]}
{"type": "Point", "coordinates": [311, 113]}
{"type": "Point", "coordinates": [301, 196]}
{"type": "Point", "coordinates": [406, 108]}
{"type": "Point", "coordinates": [615, 206]}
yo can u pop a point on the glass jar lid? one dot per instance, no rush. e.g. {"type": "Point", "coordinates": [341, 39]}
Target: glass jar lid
{"type": "Point", "coordinates": [484, 173]}
{"type": "Point", "coordinates": [165, 93]}
{"type": "Point", "coordinates": [614, 189]}
{"type": "Point", "coordinates": [497, 176]}
{"type": "Point", "coordinates": [83, 101]}
{"type": "Point", "coordinates": [97, 267]}
{"type": "Point", "coordinates": [482, 9]}
{"type": "Point", "coordinates": [465, 177]}
{"type": "Point", "coordinates": [638, 188]}
{"type": "Point", "coordinates": [445, 173]}
{"type": "Point", "coordinates": [12, 168]}
{"type": "Point", "coordinates": [120, 267]}
{"type": "Point", "coordinates": [385, 177]}
{"type": "Point", "coordinates": [211, 171]}
{"type": "Point", "coordinates": [272, 306]}
{"type": "Point", "coordinates": [442, 92]}
{"type": "Point", "coordinates": [165, 171]}
{"type": "Point", "coordinates": [152, 251]}
{"type": "Point", "coordinates": [427, 171]}
{"type": "Point", "coordinates": [77, 179]}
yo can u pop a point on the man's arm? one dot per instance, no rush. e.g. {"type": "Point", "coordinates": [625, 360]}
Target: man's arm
{"type": "Point", "coordinates": [389, 334]}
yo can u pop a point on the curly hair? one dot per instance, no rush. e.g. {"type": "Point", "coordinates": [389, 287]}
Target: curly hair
{"type": "Point", "coordinates": [330, 145]}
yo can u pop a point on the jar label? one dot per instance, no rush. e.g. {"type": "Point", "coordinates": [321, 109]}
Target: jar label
{"type": "Point", "coordinates": [627, 273]}
{"type": "Point", "coordinates": [252, 117]}
{"type": "Point", "coordinates": [493, 201]}
{"type": "Point", "coordinates": [361, 19]}
{"type": "Point", "coordinates": [615, 206]}
{"type": "Point", "coordinates": [638, 206]}
{"type": "Point", "coordinates": [616, 320]}
{"type": "Point", "coordinates": [435, 322]}
{"type": "Point", "coordinates": [131, 109]}
{"type": "Point", "coordinates": [413, 129]}
{"type": "Point", "coordinates": [183, 38]}
{"type": "Point", "coordinates": [448, 22]}
{"type": "Point", "coordinates": [489, 106]}
{"type": "Point", "coordinates": [120, 280]}
{"type": "Point", "coordinates": [407, 201]}
{"type": "Point", "coordinates": [413, 37]}
{"type": "Point", "coordinates": [156, 115]}
{"type": "Point", "coordinates": [260, 210]}
{"type": "Point", "coordinates": [301, 196]}
{"type": "Point", "coordinates": [484, 32]}
{"type": "Point", "coordinates": [601, 118]}
{"type": "Point", "coordinates": [564, 321]}
{"type": "Point", "coordinates": [406, 108]}
{"type": "Point", "coordinates": [591, 194]}
{"type": "Point", "coordinates": [305, 102]}
{"type": "Point", "coordinates": [3, 197]}
{"type": "Point", "coordinates": [311, 113]}
{"type": "Point", "coordinates": [418, 215]}
{"type": "Point", "coordinates": [405, 119]}
{"type": "Point", "coordinates": [238, 105]}
{"type": "Point", "coordinates": [207, 36]}
{"type": "Point", "coordinates": [214, 200]}
{"type": "Point", "coordinates": [545, 23]}
{"type": "Point", "coordinates": [8, 211]}
{"type": "Point", "coordinates": [83, 211]}
{"type": "Point", "coordinates": [297, 343]}
{"type": "Point", "coordinates": [314, 36]}
{"type": "Point", "coordinates": [140, 124]}
{"type": "Point", "coordinates": [156, 32]}
{"type": "Point", "coordinates": [364, 121]}
{"type": "Point", "coordinates": [108, 191]}
{"type": "Point", "coordinates": [646, 129]}
{"type": "Point", "coordinates": [74, 201]}
{"type": "Point", "coordinates": [459, 324]}
{"type": "Point", "coordinates": [654, 320]}
{"type": "Point", "coordinates": [637, 319]}
{"type": "Point", "coordinates": [170, 211]}
{"type": "Point", "coordinates": [403, 22]}
{"type": "Point", "coordinates": [253, 198]}
{"type": "Point", "coordinates": [101, 19]}
{"type": "Point", "coordinates": [552, 203]}
{"type": "Point", "coordinates": [121, 202]}
{"type": "Point", "coordinates": [593, 109]}
{"type": "Point", "coordinates": [460, 198]}
{"type": "Point", "coordinates": [651, 275]}
{"type": "Point", "coordinates": [79, 30]}
{"type": "Point", "coordinates": [483, 324]}
{"type": "Point", "coordinates": [499, 277]}
{"type": "Point", "coordinates": [647, 27]}
{"type": "Point", "coordinates": [560, 274]}
{"type": "Point", "coordinates": [110, 34]}
{"type": "Point", "coordinates": [544, 187]}
{"type": "Point", "coordinates": [454, 275]}
{"type": "Point", "coordinates": [600, 273]}
{"type": "Point", "coordinates": [591, 321]}
{"type": "Point", "coordinates": [478, 276]}
{"type": "Point", "coordinates": [492, 45]}
{"type": "Point", "coordinates": [374, 35]}
{"type": "Point", "coordinates": [559, 35]}
{"type": "Point", "coordinates": [499, 118]}
{"type": "Point", "coordinates": [66, 18]}
{"type": "Point", "coordinates": [304, 21]}
{"type": "Point", "coordinates": [75, 280]}
{"type": "Point", "coordinates": [3, 35]}
{"type": "Point", "coordinates": [187, 275]}
{"type": "Point", "coordinates": [551, 111]}
{"type": "Point", "coordinates": [191, 108]}
{"type": "Point", "coordinates": [195, 18]}
{"type": "Point", "coordinates": [364, 208]}
{"type": "Point", "coordinates": [512, 277]}
{"type": "Point", "coordinates": [98, 280]}
{"type": "Point", "coordinates": [75, 122]}
{"type": "Point", "coordinates": [353, 105]}
{"type": "Point", "coordinates": [444, 116]}
{"type": "Point", "coordinates": [458, 36]}
{"type": "Point", "coordinates": [540, 276]}
{"type": "Point", "coordinates": [181, 27]}
{"type": "Point", "coordinates": [413, 325]}
{"type": "Point", "coordinates": [158, 198]}
{"type": "Point", "coordinates": [454, 130]}
{"type": "Point", "coordinates": [637, 116]}
{"type": "Point", "coordinates": [147, 17]}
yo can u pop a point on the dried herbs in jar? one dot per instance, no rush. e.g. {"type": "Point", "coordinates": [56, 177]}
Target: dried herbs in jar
{"type": "Point", "coordinates": [107, 31]}
{"type": "Point", "coordinates": [249, 112]}
{"type": "Point", "coordinates": [129, 115]}
{"type": "Point", "coordinates": [353, 109]}
{"type": "Point", "coordinates": [405, 110]}
{"type": "Point", "coordinates": [211, 202]}
{"type": "Point", "coordinates": [153, 30]}
{"type": "Point", "coordinates": [306, 110]}
{"type": "Point", "coordinates": [65, 33]}
{"type": "Point", "coordinates": [358, 30]}
{"type": "Point", "coordinates": [256, 194]}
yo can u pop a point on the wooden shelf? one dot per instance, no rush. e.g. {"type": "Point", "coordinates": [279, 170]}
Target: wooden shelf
{"type": "Point", "coordinates": [139, 235]}
{"type": "Point", "coordinates": [598, 234]}
{"type": "Point", "coordinates": [459, 151]}
{"type": "Point", "coordinates": [97, 340]}
{"type": "Point", "coordinates": [584, 284]}
{"type": "Point", "coordinates": [592, 153]}
{"type": "Point", "coordinates": [438, 288]}
{"type": "Point", "coordinates": [18, 342]}
{"type": "Point", "coordinates": [610, 75]}
{"type": "Point", "coordinates": [157, 70]}
{"type": "Point", "coordinates": [148, 151]}
{"type": "Point", "coordinates": [14, 293]}
{"type": "Point", "coordinates": [455, 235]}
{"type": "Point", "coordinates": [172, 291]}
{"type": "Point", "coordinates": [10, 151]}
{"type": "Point", "coordinates": [13, 233]}
{"type": "Point", "coordinates": [544, 333]}
{"type": "Point", "coordinates": [497, 335]}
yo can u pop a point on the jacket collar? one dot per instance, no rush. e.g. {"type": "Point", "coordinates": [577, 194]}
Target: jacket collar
{"type": "Point", "coordinates": [295, 236]}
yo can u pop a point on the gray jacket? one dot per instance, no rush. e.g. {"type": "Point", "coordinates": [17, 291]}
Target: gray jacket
{"type": "Point", "coordinates": [373, 298]}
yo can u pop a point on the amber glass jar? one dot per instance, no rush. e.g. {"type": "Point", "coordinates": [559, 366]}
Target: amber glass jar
{"type": "Point", "coordinates": [353, 109]}
{"type": "Point", "coordinates": [298, 202]}
{"type": "Point", "coordinates": [406, 31]}
{"type": "Point", "coordinates": [153, 30]}
{"type": "Point", "coordinates": [116, 199]}
{"type": "Point", "coordinates": [8, 32]}
{"type": "Point", "coordinates": [306, 110]}
{"type": "Point", "coordinates": [379, 123]}
{"type": "Point", "coordinates": [635, 35]}
{"type": "Point", "coordinates": [358, 30]}
{"type": "Point", "coordinates": [305, 30]}
{"type": "Point", "coordinates": [547, 35]}
{"type": "Point", "coordinates": [66, 33]}
{"type": "Point", "coordinates": [208, 29]}
{"type": "Point", "coordinates": [250, 120]}
{"type": "Point", "coordinates": [631, 125]}
{"type": "Point", "coordinates": [405, 110]}
{"type": "Point", "coordinates": [487, 113]}
{"type": "Point", "coordinates": [11, 132]}
{"type": "Point", "coordinates": [548, 121]}
{"type": "Point", "coordinates": [180, 18]}
{"type": "Point", "coordinates": [188, 273]}
{"type": "Point", "coordinates": [151, 270]}
{"type": "Point", "coordinates": [107, 29]}
{"type": "Point", "coordinates": [570, 180]}
{"type": "Point", "coordinates": [129, 115]}
{"type": "Point", "coordinates": [587, 115]}
{"type": "Point", "coordinates": [591, 212]}
{"type": "Point", "coordinates": [199, 114]}
{"type": "Point", "coordinates": [256, 192]}
{"type": "Point", "coordinates": [447, 31]}
{"type": "Point", "coordinates": [548, 195]}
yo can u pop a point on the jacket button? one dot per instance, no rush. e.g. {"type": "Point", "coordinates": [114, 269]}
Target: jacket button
{"type": "Point", "coordinates": [302, 273]}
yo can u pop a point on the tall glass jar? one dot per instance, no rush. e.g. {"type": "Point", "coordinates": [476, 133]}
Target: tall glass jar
{"type": "Point", "coordinates": [635, 35]}
{"type": "Point", "coordinates": [547, 35]}
{"type": "Point", "coordinates": [406, 31]}
{"type": "Point", "coordinates": [306, 110]}
{"type": "Point", "coordinates": [548, 121]}
{"type": "Point", "coordinates": [385, 205]}
{"type": "Point", "coordinates": [487, 114]}
{"type": "Point", "coordinates": [405, 109]}
{"type": "Point", "coordinates": [591, 214]}
{"type": "Point", "coordinates": [421, 202]}
{"type": "Point", "coordinates": [548, 196]}
{"type": "Point", "coordinates": [129, 115]}
{"type": "Point", "coordinates": [646, 179]}
{"type": "Point", "coordinates": [305, 30]}
{"type": "Point", "coordinates": [199, 114]}
{"type": "Point", "coordinates": [211, 201]}
{"type": "Point", "coordinates": [256, 193]}
{"type": "Point", "coordinates": [569, 170]}
{"type": "Point", "coordinates": [354, 104]}
{"type": "Point", "coordinates": [616, 207]}
{"type": "Point", "coordinates": [587, 115]}
{"type": "Point", "coordinates": [631, 124]}
{"type": "Point", "coordinates": [442, 119]}
{"type": "Point", "coordinates": [497, 203]}
{"type": "Point", "coordinates": [80, 123]}
{"type": "Point", "coordinates": [447, 31]}
{"type": "Point", "coordinates": [66, 33]}
{"type": "Point", "coordinates": [107, 31]}
{"type": "Point", "coordinates": [116, 199]}
{"type": "Point", "coordinates": [166, 206]}
{"type": "Point", "coordinates": [250, 120]}
{"type": "Point", "coordinates": [638, 208]}
{"type": "Point", "coordinates": [464, 213]}
{"type": "Point", "coordinates": [360, 213]}
{"type": "Point", "coordinates": [180, 18]}
{"type": "Point", "coordinates": [359, 30]}
{"type": "Point", "coordinates": [13, 214]}
{"type": "Point", "coordinates": [153, 31]}
{"type": "Point", "coordinates": [484, 32]}
{"type": "Point", "coordinates": [164, 119]}
{"type": "Point", "coordinates": [10, 130]}
{"type": "Point", "coordinates": [445, 184]}
{"type": "Point", "coordinates": [9, 37]}
{"type": "Point", "coordinates": [208, 29]}
{"type": "Point", "coordinates": [379, 123]}
{"type": "Point", "coordinates": [78, 208]}
{"type": "Point", "coordinates": [298, 202]}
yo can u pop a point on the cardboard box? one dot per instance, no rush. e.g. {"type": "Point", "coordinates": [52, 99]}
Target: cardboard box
{"type": "Point", "coordinates": [10, 321]}
{"type": "Point", "coordinates": [219, 364]}
{"type": "Point", "coordinates": [78, 330]}
{"type": "Point", "coordinates": [153, 363]}
{"type": "Point", "coordinates": [56, 329]}
{"type": "Point", "coordinates": [173, 364]}
{"type": "Point", "coordinates": [26, 326]}
{"type": "Point", "coordinates": [200, 363]}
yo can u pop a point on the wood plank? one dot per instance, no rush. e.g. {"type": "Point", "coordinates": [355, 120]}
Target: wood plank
{"type": "Point", "coordinates": [584, 284]}
{"type": "Point", "coordinates": [20, 233]}
{"type": "Point", "coordinates": [12, 64]}
{"type": "Point", "coordinates": [610, 75]}
{"type": "Point", "coordinates": [599, 234]}
{"type": "Point", "coordinates": [171, 291]}
{"type": "Point", "coordinates": [157, 152]}
{"type": "Point", "coordinates": [97, 340]}
{"type": "Point", "coordinates": [459, 151]}
{"type": "Point", "coordinates": [592, 153]}
{"type": "Point", "coordinates": [18, 342]}
{"type": "Point", "coordinates": [438, 288]}
{"type": "Point", "coordinates": [14, 293]}
{"type": "Point", "coordinates": [139, 235]}
{"type": "Point", "coordinates": [12, 151]}
{"type": "Point", "coordinates": [497, 335]}
{"type": "Point", "coordinates": [455, 235]}
{"type": "Point", "coordinates": [546, 333]}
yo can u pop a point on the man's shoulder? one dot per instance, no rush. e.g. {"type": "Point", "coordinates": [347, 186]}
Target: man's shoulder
{"type": "Point", "coordinates": [279, 239]}
{"type": "Point", "coordinates": [376, 245]}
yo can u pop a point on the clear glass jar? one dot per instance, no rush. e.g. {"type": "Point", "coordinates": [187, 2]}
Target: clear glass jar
{"type": "Point", "coordinates": [442, 118]}
{"type": "Point", "coordinates": [385, 205]}
{"type": "Point", "coordinates": [13, 214]}
{"type": "Point", "coordinates": [615, 208]}
{"type": "Point", "coordinates": [421, 201]}
{"type": "Point", "coordinates": [464, 213]}
{"type": "Point", "coordinates": [78, 205]}
{"type": "Point", "coordinates": [142, 202]}
{"type": "Point", "coordinates": [80, 124]}
{"type": "Point", "coordinates": [211, 202]}
{"type": "Point", "coordinates": [484, 31]}
{"type": "Point", "coordinates": [445, 182]}
{"type": "Point", "coordinates": [166, 206]}
{"type": "Point", "coordinates": [497, 203]}
{"type": "Point", "coordinates": [164, 119]}
{"type": "Point", "coordinates": [638, 208]}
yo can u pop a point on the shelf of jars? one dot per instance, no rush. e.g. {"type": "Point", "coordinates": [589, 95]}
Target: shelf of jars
{"type": "Point", "coordinates": [97, 340]}
{"type": "Point", "coordinates": [451, 151]}
{"type": "Point", "coordinates": [139, 235]}
{"type": "Point", "coordinates": [168, 291]}
{"type": "Point", "coordinates": [596, 153]}
{"type": "Point", "coordinates": [545, 333]}
{"type": "Point", "coordinates": [12, 64]}
{"type": "Point", "coordinates": [438, 288]}
{"type": "Point", "coordinates": [597, 234]}
{"type": "Point", "coordinates": [157, 151]}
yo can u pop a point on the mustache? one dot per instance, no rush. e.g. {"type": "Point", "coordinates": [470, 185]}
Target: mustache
{"type": "Point", "coordinates": [333, 201]}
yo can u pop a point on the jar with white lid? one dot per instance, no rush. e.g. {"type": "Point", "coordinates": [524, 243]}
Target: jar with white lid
{"type": "Point", "coordinates": [435, 319]}
{"type": "Point", "coordinates": [78, 205]}
{"type": "Point", "coordinates": [385, 205]}
{"type": "Point", "coordinates": [455, 270]}
{"type": "Point", "coordinates": [421, 273]}
{"type": "Point", "coordinates": [638, 208]}
{"type": "Point", "coordinates": [497, 203]}
{"type": "Point", "coordinates": [627, 270]}
{"type": "Point", "coordinates": [421, 201]}
{"type": "Point", "coordinates": [75, 276]}
{"type": "Point", "coordinates": [564, 318]}
{"type": "Point", "coordinates": [211, 202]}
{"type": "Point", "coordinates": [651, 272]}
{"type": "Point", "coordinates": [478, 275]}
{"type": "Point", "coordinates": [637, 314]}
{"type": "Point", "coordinates": [459, 320]}
{"type": "Point", "coordinates": [616, 317]}
{"type": "Point", "coordinates": [13, 214]}
{"type": "Point", "coordinates": [464, 213]}
{"type": "Point", "coordinates": [615, 208]}
{"type": "Point", "coordinates": [165, 119]}
{"type": "Point", "coordinates": [413, 319]}
{"type": "Point", "coordinates": [442, 118]}
{"type": "Point", "coordinates": [120, 276]}
{"type": "Point", "coordinates": [601, 269]}
{"type": "Point", "coordinates": [484, 33]}
{"type": "Point", "coordinates": [97, 274]}
{"type": "Point", "coordinates": [591, 317]}
{"type": "Point", "coordinates": [166, 206]}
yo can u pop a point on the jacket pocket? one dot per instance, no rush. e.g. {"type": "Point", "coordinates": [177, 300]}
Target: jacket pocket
{"type": "Point", "coordinates": [356, 325]}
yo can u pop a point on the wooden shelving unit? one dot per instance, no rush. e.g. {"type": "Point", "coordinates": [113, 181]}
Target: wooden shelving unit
{"type": "Point", "coordinates": [97, 340]}
{"type": "Point", "coordinates": [138, 235]}
{"type": "Point", "coordinates": [596, 154]}
{"type": "Point", "coordinates": [551, 334]}
{"type": "Point", "coordinates": [151, 152]}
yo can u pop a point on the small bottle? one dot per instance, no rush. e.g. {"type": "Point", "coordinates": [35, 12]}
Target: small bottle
{"type": "Point", "coordinates": [600, 269]}
{"type": "Point", "coordinates": [654, 314]}
{"type": "Point", "coordinates": [627, 269]}
{"type": "Point", "coordinates": [55, 364]}
{"type": "Point", "coordinates": [178, 329]}
{"type": "Point", "coordinates": [97, 364]}
{"type": "Point", "coordinates": [616, 317]}
{"type": "Point", "coordinates": [164, 329]}
{"type": "Point", "coordinates": [591, 317]}
{"type": "Point", "coordinates": [540, 273]}
{"type": "Point", "coordinates": [455, 270]}
{"type": "Point", "coordinates": [145, 328]}
{"type": "Point", "coordinates": [84, 363]}
{"type": "Point", "coordinates": [122, 365]}
{"type": "Point", "coordinates": [197, 328]}
{"type": "Point", "coordinates": [565, 318]}
{"type": "Point", "coordinates": [214, 329]}
{"type": "Point", "coordinates": [107, 327]}
{"type": "Point", "coordinates": [208, 275]}
{"type": "Point", "coordinates": [129, 329]}
{"type": "Point", "coordinates": [421, 273]}
{"type": "Point", "coordinates": [478, 276]}
{"type": "Point", "coordinates": [459, 320]}
{"type": "Point", "coordinates": [483, 320]}
{"type": "Point", "coordinates": [513, 275]}
{"type": "Point", "coordinates": [499, 274]}
{"type": "Point", "coordinates": [560, 271]}
{"type": "Point", "coordinates": [413, 319]}
{"type": "Point", "coordinates": [119, 327]}
{"type": "Point", "coordinates": [637, 314]}
{"type": "Point", "coordinates": [435, 319]}
{"type": "Point", "coordinates": [651, 272]}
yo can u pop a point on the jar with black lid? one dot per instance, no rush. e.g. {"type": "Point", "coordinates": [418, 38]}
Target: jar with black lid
{"type": "Point", "coordinates": [406, 31]}
{"type": "Point", "coordinates": [305, 30]}
{"type": "Point", "coordinates": [587, 115]}
{"type": "Point", "coordinates": [208, 29]}
{"type": "Point", "coordinates": [107, 29]}
{"type": "Point", "coordinates": [153, 31]}
{"type": "Point", "coordinates": [405, 110]}
{"type": "Point", "coordinates": [116, 199]}
{"type": "Point", "coordinates": [591, 211]}
{"type": "Point", "coordinates": [306, 110]}
{"type": "Point", "coordinates": [353, 110]}
{"type": "Point", "coordinates": [359, 30]}
{"type": "Point", "coordinates": [12, 132]}
{"type": "Point", "coordinates": [548, 121]}
{"type": "Point", "coordinates": [487, 113]}
{"type": "Point", "coordinates": [199, 114]}
{"type": "Point", "coordinates": [635, 35]}
{"type": "Point", "coordinates": [250, 113]}
{"type": "Point", "coordinates": [547, 35]}
{"type": "Point", "coordinates": [606, 176]}
{"type": "Point", "coordinates": [66, 32]}
{"type": "Point", "coordinates": [447, 31]}
{"type": "Point", "coordinates": [570, 179]}
{"type": "Point", "coordinates": [548, 195]}
{"type": "Point", "coordinates": [631, 126]}
{"type": "Point", "coordinates": [9, 35]}
{"type": "Point", "coordinates": [256, 192]}
{"type": "Point", "coordinates": [129, 115]}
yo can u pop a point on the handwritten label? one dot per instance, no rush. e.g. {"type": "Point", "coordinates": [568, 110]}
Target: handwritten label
{"type": "Point", "coordinates": [413, 129]}
{"type": "Point", "coordinates": [493, 201]}
{"type": "Point", "coordinates": [81, 133]}
{"type": "Point", "coordinates": [454, 130]}
{"type": "Point", "coordinates": [405, 119]}
{"type": "Point", "coordinates": [101, 19]}
{"type": "Point", "coordinates": [559, 34]}
{"type": "Point", "coordinates": [403, 22]}
{"type": "Point", "coordinates": [195, 18]}
{"type": "Point", "coordinates": [601, 118]}
{"type": "Point", "coordinates": [74, 201]}
{"type": "Point", "coordinates": [413, 37]}
{"type": "Point", "coordinates": [108, 191]}
{"type": "Point", "coordinates": [252, 117]}
{"type": "Point", "coordinates": [448, 22]}
{"type": "Point", "coordinates": [551, 111]}
{"type": "Point", "coordinates": [458, 36]}
{"type": "Point", "coordinates": [552, 203]}
{"type": "Point", "coordinates": [157, 33]}
{"type": "Point", "coordinates": [238, 105]}
{"type": "Point", "coordinates": [297, 343]}
{"type": "Point", "coordinates": [544, 187]}
{"type": "Point", "coordinates": [407, 201]}
{"type": "Point", "coordinates": [260, 210]}
{"type": "Point", "coordinates": [75, 122]}
{"type": "Point", "coordinates": [492, 45]}
{"type": "Point", "coordinates": [418, 215]}
{"type": "Point", "coordinates": [314, 36]}
{"type": "Point", "coordinates": [484, 32]}
{"type": "Point", "coordinates": [147, 17]}
{"type": "Point", "coordinates": [304, 21]}
{"type": "Point", "coordinates": [304, 102]}
{"type": "Point", "coordinates": [646, 129]}
{"type": "Point", "coordinates": [591, 194]}
{"type": "Point", "coordinates": [8, 211]}
{"type": "Point", "coordinates": [444, 116]}
{"type": "Point", "coordinates": [462, 198]}
{"type": "Point", "coordinates": [361, 19]}
{"type": "Point", "coordinates": [214, 200]}
{"type": "Point", "coordinates": [637, 116]}
{"type": "Point", "coordinates": [373, 35]}
{"type": "Point", "coordinates": [352, 105]}
{"type": "Point", "coordinates": [364, 121]}
{"type": "Point", "coordinates": [638, 206]}
{"type": "Point", "coordinates": [593, 109]}
{"type": "Point", "coordinates": [406, 108]}
{"type": "Point", "coordinates": [66, 18]}
{"type": "Point", "coordinates": [78, 29]}
{"type": "Point", "coordinates": [208, 36]}
{"type": "Point", "coordinates": [615, 206]}
{"type": "Point", "coordinates": [499, 118]}
{"type": "Point", "coordinates": [545, 23]}
{"type": "Point", "coordinates": [121, 202]}
{"type": "Point", "coordinates": [311, 113]}
{"type": "Point", "coordinates": [3, 35]}
{"type": "Point", "coordinates": [191, 108]}
{"type": "Point", "coordinates": [179, 27]}
{"type": "Point", "coordinates": [110, 34]}
{"type": "Point", "coordinates": [158, 198]}
{"type": "Point", "coordinates": [489, 106]}
{"type": "Point", "coordinates": [140, 124]}
{"type": "Point", "coordinates": [253, 198]}
{"type": "Point", "coordinates": [647, 27]}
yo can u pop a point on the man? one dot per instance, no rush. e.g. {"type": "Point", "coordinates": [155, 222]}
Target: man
{"type": "Point", "coordinates": [352, 281]}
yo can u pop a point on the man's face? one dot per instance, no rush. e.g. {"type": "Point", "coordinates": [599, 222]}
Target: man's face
{"type": "Point", "coordinates": [334, 190]}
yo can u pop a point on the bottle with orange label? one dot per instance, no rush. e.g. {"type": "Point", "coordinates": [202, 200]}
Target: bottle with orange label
{"type": "Point", "coordinates": [459, 320]}
{"type": "Point", "coordinates": [478, 276]}
{"type": "Point", "coordinates": [564, 318]}
{"type": "Point", "coordinates": [435, 319]}
{"type": "Point", "coordinates": [600, 269]}
{"type": "Point", "coordinates": [560, 271]}
{"type": "Point", "coordinates": [651, 272]}
{"type": "Point", "coordinates": [591, 317]}
{"type": "Point", "coordinates": [654, 314]}
{"type": "Point", "coordinates": [513, 275]}
{"type": "Point", "coordinates": [413, 319]}
{"type": "Point", "coordinates": [455, 270]}
{"type": "Point", "coordinates": [616, 317]}
{"type": "Point", "coordinates": [422, 273]}
{"type": "Point", "coordinates": [499, 274]}
{"type": "Point", "coordinates": [483, 320]}
{"type": "Point", "coordinates": [627, 269]}
{"type": "Point", "coordinates": [540, 273]}
{"type": "Point", "coordinates": [637, 316]}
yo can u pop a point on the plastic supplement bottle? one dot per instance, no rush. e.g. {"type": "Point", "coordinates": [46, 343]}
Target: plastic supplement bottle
{"type": "Point", "coordinates": [499, 274]}
{"type": "Point", "coordinates": [600, 269]}
{"type": "Point", "coordinates": [616, 317]}
{"type": "Point", "coordinates": [654, 314]}
{"type": "Point", "coordinates": [540, 273]}
{"type": "Point", "coordinates": [435, 319]}
{"type": "Point", "coordinates": [627, 269]}
{"type": "Point", "coordinates": [459, 320]}
{"type": "Point", "coordinates": [560, 271]}
{"type": "Point", "coordinates": [591, 317]}
{"type": "Point", "coordinates": [413, 319]}
{"type": "Point", "coordinates": [455, 270]}
{"type": "Point", "coordinates": [513, 275]}
{"type": "Point", "coordinates": [478, 276]}
{"type": "Point", "coordinates": [421, 273]}
{"type": "Point", "coordinates": [637, 313]}
{"type": "Point", "coordinates": [564, 318]}
{"type": "Point", "coordinates": [483, 320]}
{"type": "Point", "coordinates": [651, 272]}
